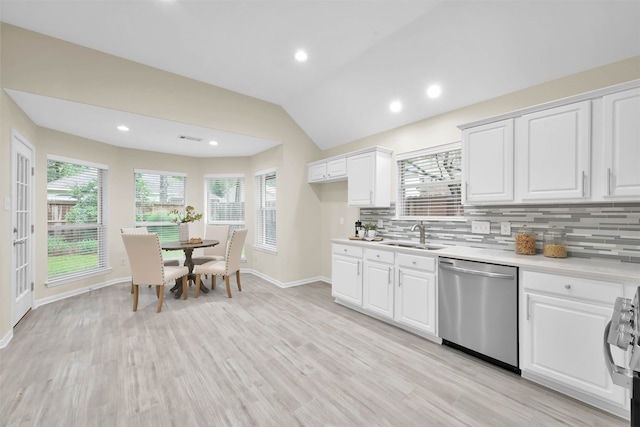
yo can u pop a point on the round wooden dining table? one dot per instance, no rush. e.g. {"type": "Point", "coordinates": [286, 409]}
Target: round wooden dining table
{"type": "Point", "coordinates": [187, 248]}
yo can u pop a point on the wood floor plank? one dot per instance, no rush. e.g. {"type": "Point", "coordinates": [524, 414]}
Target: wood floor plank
{"type": "Point", "coordinates": [266, 357]}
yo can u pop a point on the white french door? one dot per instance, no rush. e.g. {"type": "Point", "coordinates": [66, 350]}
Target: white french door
{"type": "Point", "coordinates": [22, 154]}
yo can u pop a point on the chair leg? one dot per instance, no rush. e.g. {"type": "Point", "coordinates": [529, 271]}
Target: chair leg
{"type": "Point", "coordinates": [238, 280]}
{"type": "Point", "coordinates": [134, 289]}
{"type": "Point", "coordinates": [131, 287]}
{"type": "Point", "coordinates": [213, 281]}
{"type": "Point", "coordinates": [226, 279]}
{"type": "Point", "coordinates": [197, 291]}
{"type": "Point", "coordinates": [185, 287]}
{"type": "Point", "coordinates": [160, 290]}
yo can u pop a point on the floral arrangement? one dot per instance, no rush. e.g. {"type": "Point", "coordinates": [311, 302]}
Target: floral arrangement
{"type": "Point", "coordinates": [187, 216]}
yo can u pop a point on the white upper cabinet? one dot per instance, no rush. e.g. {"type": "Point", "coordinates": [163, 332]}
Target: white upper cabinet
{"type": "Point", "coordinates": [337, 169]}
{"type": "Point", "coordinates": [334, 169]}
{"type": "Point", "coordinates": [369, 179]}
{"type": "Point", "coordinates": [317, 172]}
{"type": "Point", "coordinates": [554, 151]}
{"type": "Point", "coordinates": [487, 153]}
{"type": "Point", "coordinates": [621, 145]}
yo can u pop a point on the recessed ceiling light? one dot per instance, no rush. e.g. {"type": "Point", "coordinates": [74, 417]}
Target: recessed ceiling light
{"type": "Point", "coordinates": [123, 128]}
{"type": "Point", "coordinates": [395, 106]}
{"type": "Point", "coordinates": [434, 91]}
{"type": "Point", "coordinates": [213, 143]}
{"type": "Point", "coordinates": [301, 56]}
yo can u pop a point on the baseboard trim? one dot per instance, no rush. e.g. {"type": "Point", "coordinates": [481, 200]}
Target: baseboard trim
{"type": "Point", "coordinates": [48, 300]}
{"type": "Point", "coordinates": [287, 284]}
{"type": "Point", "coordinates": [6, 339]}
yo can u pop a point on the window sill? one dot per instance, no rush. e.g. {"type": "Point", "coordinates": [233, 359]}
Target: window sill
{"type": "Point", "coordinates": [266, 249]}
{"type": "Point", "coordinates": [64, 280]}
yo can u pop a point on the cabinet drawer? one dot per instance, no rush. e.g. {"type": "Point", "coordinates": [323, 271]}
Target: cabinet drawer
{"type": "Point", "coordinates": [573, 287]}
{"type": "Point", "coordinates": [418, 262]}
{"type": "Point", "coordinates": [381, 256]}
{"type": "Point", "coordinates": [347, 250]}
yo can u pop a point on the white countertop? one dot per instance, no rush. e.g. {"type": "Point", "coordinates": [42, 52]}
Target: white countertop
{"type": "Point", "coordinates": [591, 268]}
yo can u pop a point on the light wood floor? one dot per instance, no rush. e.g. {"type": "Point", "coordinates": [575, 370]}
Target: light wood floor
{"type": "Point", "coordinates": [267, 357]}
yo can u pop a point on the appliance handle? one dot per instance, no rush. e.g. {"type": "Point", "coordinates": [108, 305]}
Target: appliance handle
{"type": "Point", "coordinates": [619, 375]}
{"type": "Point", "coordinates": [476, 272]}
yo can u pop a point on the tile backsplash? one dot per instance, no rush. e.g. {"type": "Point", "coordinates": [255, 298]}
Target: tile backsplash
{"type": "Point", "coordinates": [608, 231]}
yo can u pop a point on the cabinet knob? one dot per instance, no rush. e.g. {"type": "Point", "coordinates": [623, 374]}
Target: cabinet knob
{"type": "Point", "coordinates": [567, 286]}
{"type": "Point", "coordinates": [413, 262]}
{"type": "Point", "coordinates": [378, 256]}
{"type": "Point", "coordinates": [345, 250]}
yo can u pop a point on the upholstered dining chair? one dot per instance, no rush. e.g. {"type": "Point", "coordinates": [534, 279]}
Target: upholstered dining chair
{"type": "Point", "coordinates": [143, 230]}
{"type": "Point", "coordinates": [226, 268]}
{"type": "Point", "coordinates": [145, 259]}
{"type": "Point", "coordinates": [217, 252]}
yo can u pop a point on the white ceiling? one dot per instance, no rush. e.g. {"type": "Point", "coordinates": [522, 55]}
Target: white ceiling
{"type": "Point", "coordinates": [363, 54]}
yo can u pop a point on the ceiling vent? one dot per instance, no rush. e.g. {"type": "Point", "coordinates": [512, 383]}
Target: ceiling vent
{"type": "Point", "coordinates": [190, 138]}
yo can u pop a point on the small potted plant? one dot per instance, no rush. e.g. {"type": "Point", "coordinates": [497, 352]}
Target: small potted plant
{"type": "Point", "coordinates": [372, 229]}
{"type": "Point", "coordinates": [183, 219]}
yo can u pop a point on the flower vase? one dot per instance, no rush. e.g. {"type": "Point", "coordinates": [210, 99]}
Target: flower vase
{"type": "Point", "coordinates": [183, 232]}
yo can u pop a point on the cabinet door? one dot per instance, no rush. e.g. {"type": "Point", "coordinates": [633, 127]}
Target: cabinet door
{"type": "Point", "coordinates": [552, 155]}
{"type": "Point", "coordinates": [317, 172]}
{"type": "Point", "coordinates": [378, 288]}
{"type": "Point", "coordinates": [346, 279]}
{"type": "Point", "coordinates": [487, 151]}
{"type": "Point", "coordinates": [361, 172]}
{"type": "Point", "coordinates": [337, 168]}
{"type": "Point", "coordinates": [416, 300]}
{"type": "Point", "coordinates": [563, 341]}
{"type": "Point", "coordinates": [621, 140]}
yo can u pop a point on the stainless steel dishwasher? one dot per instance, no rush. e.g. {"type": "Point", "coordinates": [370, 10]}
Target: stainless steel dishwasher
{"type": "Point", "coordinates": [478, 309]}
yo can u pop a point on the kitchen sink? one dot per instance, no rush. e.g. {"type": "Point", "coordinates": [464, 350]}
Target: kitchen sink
{"type": "Point", "coordinates": [412, 245]}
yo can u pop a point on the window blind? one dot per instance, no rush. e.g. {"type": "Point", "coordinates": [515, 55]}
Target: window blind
{"type": "Point", "coordinates": [429, 183]}
{"type": "Point", "coordinates": [157, 194]}
{"type": "Point", "coordinates": [76, 218]}
{"type": "Point", "coordinates": [225, 200]}
{"type": "Point", "coordinates": [266, 211]}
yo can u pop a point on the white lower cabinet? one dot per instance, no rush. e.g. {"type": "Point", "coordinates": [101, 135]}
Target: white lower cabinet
{"type": "Point", "coordinates": [397, 287]}
{"type": "Point", "coordinates": [378, 285]}
{"type": "Point", "coordinates": [416, 298]}
{"type": "Point", "coordinates": [346, 265]}
{"type": "Point", "coordinates": [561, 343]}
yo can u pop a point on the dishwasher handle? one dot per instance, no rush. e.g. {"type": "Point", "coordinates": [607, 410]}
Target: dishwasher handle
{"type": "Point", "coordinates": [477, 272]}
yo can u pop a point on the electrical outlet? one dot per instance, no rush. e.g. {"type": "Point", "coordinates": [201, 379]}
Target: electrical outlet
{"type": "Point", "coordinates": [481, 227]}
{"type": "Point", "coordinates": [341, 220]}
{"type": "Point", "coordinates": [380, 223]}
{"type": "Point", "coordinates": [505, 228]}
{"type": "Point", "coordinates": [122, 261]}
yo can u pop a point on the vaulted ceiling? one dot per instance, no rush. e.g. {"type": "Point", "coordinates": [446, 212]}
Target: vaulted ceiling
{"type": "Point", "coordinates": [362, 54]}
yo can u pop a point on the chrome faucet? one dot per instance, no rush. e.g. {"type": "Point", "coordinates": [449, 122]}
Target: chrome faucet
{"type": "Point", "coordinates": [421, 228]}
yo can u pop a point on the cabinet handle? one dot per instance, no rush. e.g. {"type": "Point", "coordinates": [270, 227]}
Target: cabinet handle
{"type": "Point", "coordinates": [389, 275]}
{"type": "Point", "coordinates": [358, 268]}
{"type": "Point", "coordinates": [527, 306]}
{"type": "Point", "coordinates": [567, 286]}
{"type": "Point", "coordinates": [370, 196]}
{"type": "Point", "coordinates": [399, 278]}
{"type": "Point", "coordinates": [608, 181]}
{"type": "Point", "coordinates": [584, 175]}
{"type": "Point", "coordinates": [466, 190]}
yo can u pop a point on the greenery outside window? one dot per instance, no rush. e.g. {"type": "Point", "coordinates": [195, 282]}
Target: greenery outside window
{"type": "Point", "coordinates": [157, 194]}
{"type": "Point", "coordinates": [265, 237]}
{"type": "Point", "coordinates": [430, 183]}
{"type": "Point", "coordinates": [76, 219]}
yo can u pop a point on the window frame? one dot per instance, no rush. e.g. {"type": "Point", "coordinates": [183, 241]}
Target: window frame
{"type": "Point", "coordinates": [431, 151]}
{"type": "Point", "coordinates": [101, 226]}
{"type": "Point", "coordinates": [261, 210]}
